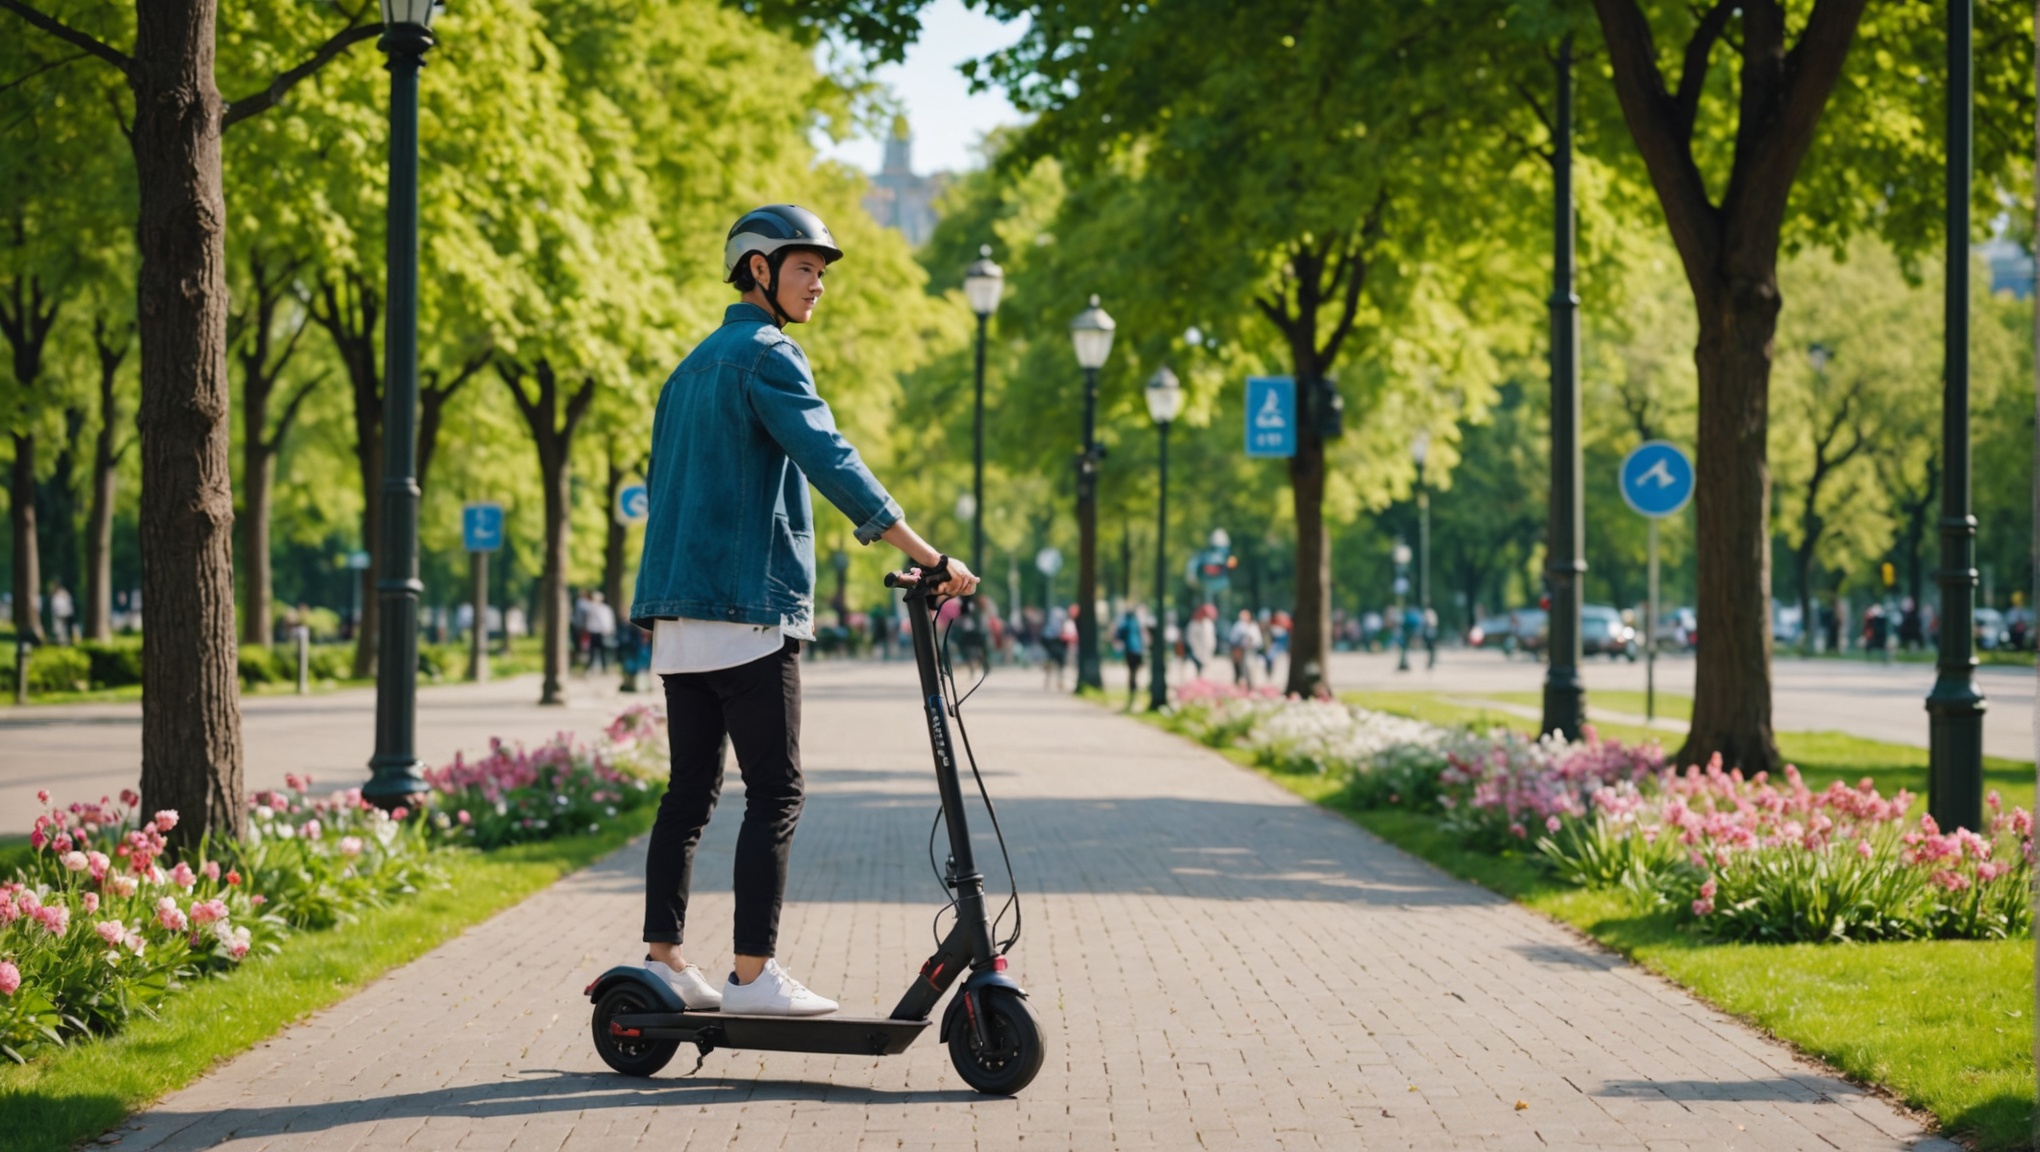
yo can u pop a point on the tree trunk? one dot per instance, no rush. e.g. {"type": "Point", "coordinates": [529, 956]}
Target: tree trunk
{"type": "Point", "coordinates": [350, 309]}
{"type": "Point", "coordinates": [106, 456]}
{"type": "Point", "coordinates": [552, 588]}
{"type": "Point", "coordinates": [26, 558]}
{"type": "Point", "coordinates": [1732, 543]}
{"type": "Point", "coordinates": [57, 508]}
{"type": "Point", "coordinates": [258, 482]}
{"type": "Point", "coordinates": [1310, 637]}
{"type": "Point", "coordinates": [614, 537]}
{"type": "Point", "coordinates": [552, 428]}
{"type": "Point", "coordinates": [191, 691]}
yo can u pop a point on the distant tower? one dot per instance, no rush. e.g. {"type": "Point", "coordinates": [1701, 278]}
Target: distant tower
{"type": "Point", "coordinates": [899, 199]}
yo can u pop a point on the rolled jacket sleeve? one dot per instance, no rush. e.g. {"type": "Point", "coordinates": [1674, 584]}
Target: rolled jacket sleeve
{"type": "Point", "coordinates": [784, 397]}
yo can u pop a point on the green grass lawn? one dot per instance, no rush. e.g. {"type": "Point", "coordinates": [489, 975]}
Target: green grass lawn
{"type": "Point", "coordinates": [1946, 1026]}
{"type": "Point", "coordinates": [1670, 705]}
{"type": "Point", "coordinates": [54, 1102]}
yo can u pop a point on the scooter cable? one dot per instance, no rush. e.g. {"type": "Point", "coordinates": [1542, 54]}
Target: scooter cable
{"type": "Point", "coordinates": [947, 670]}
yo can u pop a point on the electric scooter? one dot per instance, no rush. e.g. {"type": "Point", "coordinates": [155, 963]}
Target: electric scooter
{"type": "Point", "coordinates": [994, 1039]}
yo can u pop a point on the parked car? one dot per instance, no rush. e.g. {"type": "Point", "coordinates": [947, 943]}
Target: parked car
{"type": "Point", "coordinates": [1602, 633]}
{"type": "Point", "coordinates": [1678, 630]}
{"type": "Point", "coordinates": [1491, 632]}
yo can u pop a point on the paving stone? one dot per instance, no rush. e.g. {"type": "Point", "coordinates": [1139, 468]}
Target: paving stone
{"type": "Point", "coordinates": [1217, 964]}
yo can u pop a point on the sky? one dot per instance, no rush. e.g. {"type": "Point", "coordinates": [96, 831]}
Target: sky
{"type": "Point", "coordinates": [947, 120]}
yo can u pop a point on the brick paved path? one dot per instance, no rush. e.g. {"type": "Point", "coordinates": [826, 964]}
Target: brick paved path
{"type": "Point", "coordinates": [1219, 965]}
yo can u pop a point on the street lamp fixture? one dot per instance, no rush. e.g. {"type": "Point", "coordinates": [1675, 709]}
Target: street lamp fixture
{"type": "Point", "coordinates": [395, 772]}
{"type": "Point", "coordinates": [1091, 335]}
{"type": "Point", "coordinates": [983, 283]}
{"type": "Point", "coordinates": [1819, 355]}
{"type": "Point", "coordinates": [1164, 403]}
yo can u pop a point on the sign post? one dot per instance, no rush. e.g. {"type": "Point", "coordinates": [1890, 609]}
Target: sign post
{"type": "Point", "coordinates": [481, 532]}
{"type": "Point", "coordinates": [1048, 562]}
{"type": "Point", "coordinates": [1657, 481]}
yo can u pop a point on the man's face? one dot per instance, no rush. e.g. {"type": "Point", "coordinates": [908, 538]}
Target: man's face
{"type": "Point", "coordinates": [800, 283]}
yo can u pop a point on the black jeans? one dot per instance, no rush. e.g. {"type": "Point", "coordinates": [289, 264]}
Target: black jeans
{"type": "Point", "coordinates": [757, 706]}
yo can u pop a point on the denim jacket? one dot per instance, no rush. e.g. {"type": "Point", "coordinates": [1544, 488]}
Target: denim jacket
{"type": "Point", "coordinates": [740, 432]}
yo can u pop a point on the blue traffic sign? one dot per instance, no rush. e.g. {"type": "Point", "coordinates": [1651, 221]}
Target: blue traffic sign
{"type": "Point", "coordinates": [633, 505]}
{"type": "Point", "coordinates": [1271, 416]}
{"type": "Point", "coordinates": [1657, 479]}
{"type": "Point", "coordinates": [481, 527]}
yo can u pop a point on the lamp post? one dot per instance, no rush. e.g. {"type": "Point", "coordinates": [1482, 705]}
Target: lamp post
{"type": "Point", "coordinates": [1565, 561]}
{"type": "Point", "coordinates": [394, 769]}
{"type": "Point", "coordinates": [1955, 706]}
{"type": "Point", "coordinates": [983, 282]}
{"type": "Point", "coordinates": [1420, 450]}
{"type": "Point", "coordinates": [1091, 334]}
{"type": "Point", "coordinates": [1401, 556]}
{"type": "Point", "coordinates": [1164, 401]}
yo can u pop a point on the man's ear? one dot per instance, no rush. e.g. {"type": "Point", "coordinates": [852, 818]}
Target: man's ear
{"type": "Point", "coordinates": [761, 269]}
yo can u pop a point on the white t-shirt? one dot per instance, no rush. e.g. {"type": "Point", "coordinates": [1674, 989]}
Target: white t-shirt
{"type": "Point", "coordinates": [707, 645]}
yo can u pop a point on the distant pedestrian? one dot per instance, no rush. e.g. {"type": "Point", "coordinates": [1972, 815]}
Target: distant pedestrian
{"type": "Point", "coordinates": [1243, 643]}
{"type": "Point", "coordinates": [62, 612]}
{"type": "Point", "coordinates": [1057, 638]}
{"type": "Point", "coordinates": [1201, 642]}
{"type": "Point", "coordinates": [598, 622]}
{"type": "Point", "coordinates": [1128, 634]}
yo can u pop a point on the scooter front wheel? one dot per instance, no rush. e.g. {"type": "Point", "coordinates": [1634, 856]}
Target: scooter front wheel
{"type": "Point", "coordinates": [630, 1055]}
{"type": "Point", "coordinates": [1013, 1052]}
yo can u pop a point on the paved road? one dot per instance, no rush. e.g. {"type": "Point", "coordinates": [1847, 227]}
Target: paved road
{"type": "Point", "coordinates": [1882, 701]}
{"type": "Point", "coordinates": [85, 751]}
{"type": "Point", "coordinates": [1220, 966]}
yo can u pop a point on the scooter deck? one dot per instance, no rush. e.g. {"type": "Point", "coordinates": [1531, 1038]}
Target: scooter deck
{"type": "Point", "coordinates": [841, 1035]}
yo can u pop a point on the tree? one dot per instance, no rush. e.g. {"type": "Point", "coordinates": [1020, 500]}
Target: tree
{"type": "Point", "coordinates": [264, 342]}
{"type": "Point", "coordinates": [1276, 164]}
{"type": "Point", "coordinates": [111, 342]}
{"type": "Point", "coordinates": [553, 415]}
{"type": "Point", "coordinates": [1724, 146]}
{"type": "Point", "coordinates": [191, 744]}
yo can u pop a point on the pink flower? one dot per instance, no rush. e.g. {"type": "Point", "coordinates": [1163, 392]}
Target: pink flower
{"type": "Point", "coordinates": [1551, 824]}
{"type": "Point", "coordinates": [233, 877]}
{"type": "Point", "coordinates": [1951, 880]}
{"type": "Point", "coordinates": [258, 900]}
{"type": "Point", "coordinates": [111, 931]}
{"type": "Point", "coordinates": [312, 830]}
{"type": "Point", "coordinates": [399, 812]}
{"type": "Point", "coordinates": [350, 845]}
{"type": "Point", "coordinates": [183, 876]}
{"type": "Point", "coordinates": [462, 816]}
{"type": "Point", "coordinates": [10, 978]}
{"type": "Point", "coordinates": [42, 795]}
{"type": "Point", "coordinates": [1863, 849]}
{"type": "Point", "coordinates": [166, 819]}
{"type": "Point", "coordinates": [91, 902]}
{"type": "Point", "coordinates": [99, 863]}
{"type": "Point", "coordinates": [36, 839]}
{"type": "Point", "coordinates": [55, 918]}
{"type": "Point", "coordinates": [207, 911]}
{"type": "Point", "coordinates": [170, 916]}
{"type": "Point", "coordinates": [122, 886]}
{"type": "Point", "coordinates": [212, 870]}
{"type": "Point", "coordinates": [76, 861]}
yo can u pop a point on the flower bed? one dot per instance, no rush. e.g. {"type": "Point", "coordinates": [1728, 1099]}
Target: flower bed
{"type": "Point", "coordinates": [1743, 858]}
{"type": "Point", "coordinates": [105, 923]}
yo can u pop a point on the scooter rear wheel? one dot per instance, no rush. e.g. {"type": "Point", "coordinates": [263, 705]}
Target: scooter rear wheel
{"type": "Point", "coordinates": [630, 1055]}
{"type": "Point", "coordinates": [1014, 1055]}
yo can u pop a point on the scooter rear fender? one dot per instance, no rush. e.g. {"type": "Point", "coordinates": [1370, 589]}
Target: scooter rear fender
{"type": "Point", "coordinates": [975, 984]}
{"type": "Point", "coordinates": [631, 973]}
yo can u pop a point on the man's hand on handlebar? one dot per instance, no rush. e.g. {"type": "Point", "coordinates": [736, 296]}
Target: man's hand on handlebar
{"type": "Point", "coordinates": [962, 581]}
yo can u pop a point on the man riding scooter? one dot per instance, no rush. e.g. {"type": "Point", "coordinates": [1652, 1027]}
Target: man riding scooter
{"type": "Point", "coordinates": [726, 587]}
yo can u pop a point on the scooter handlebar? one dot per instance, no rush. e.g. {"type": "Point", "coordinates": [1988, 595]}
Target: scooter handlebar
{"type": "Point", "coordinates": [933, 576]}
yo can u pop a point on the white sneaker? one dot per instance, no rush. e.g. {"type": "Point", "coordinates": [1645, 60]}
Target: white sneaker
{"type": "Point", "coordinates": [688, 984]}
{"type": "Point", "coordinates": [773, 993]}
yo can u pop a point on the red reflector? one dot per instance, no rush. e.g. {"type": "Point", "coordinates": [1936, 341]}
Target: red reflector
{"type": "Point", "coordinates": [998, 964]}
{"type": "Point", "coordinates": [616, 1029]}
{"type": "Point", "coordinates": [936, 974]}
{"type": "Point", "coordinates": [590, 989]}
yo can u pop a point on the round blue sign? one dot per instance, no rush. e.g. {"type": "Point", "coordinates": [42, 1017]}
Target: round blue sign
{"type": "Point", "coordinates": [1657, 479]}
{"type": "Point", "coordinates": [633, 505]}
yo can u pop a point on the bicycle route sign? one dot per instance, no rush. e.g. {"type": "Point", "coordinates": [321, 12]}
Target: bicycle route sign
{"type": "Point", "coordinates": [481, 527]}
{"type": "Point", "coordinates": [1271, 416]}
{"type": "Point", "coordinates": [1657, 479]}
